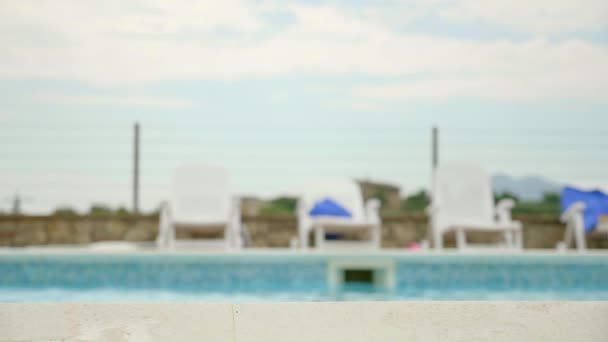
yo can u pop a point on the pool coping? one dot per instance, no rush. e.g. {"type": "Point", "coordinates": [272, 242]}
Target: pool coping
{"type": "Point", "coordinates": [147, 250]}
{"type": "Point", "coordinates": [319, 321]}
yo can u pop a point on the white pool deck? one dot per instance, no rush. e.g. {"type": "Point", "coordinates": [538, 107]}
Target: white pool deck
{"type": "Point", "coordinates": [352, 322]}
{"type": "Point", "coordinates": [311, 321]}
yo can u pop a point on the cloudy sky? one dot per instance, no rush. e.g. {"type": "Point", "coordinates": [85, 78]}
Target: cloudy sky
{"type": "Point", "coordinates": [283, 91]}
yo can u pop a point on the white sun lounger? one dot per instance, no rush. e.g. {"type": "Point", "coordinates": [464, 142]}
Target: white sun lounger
{"type": "Point", "coordinates": [462, 200]}
{"type": "Point", "coordinates": [201, 199]}
{"type": "Point", "coordinates": [347, 194]}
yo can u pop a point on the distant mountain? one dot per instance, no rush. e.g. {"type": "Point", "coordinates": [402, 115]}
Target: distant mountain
{"type": "Point", "coordinates": [526, 188]}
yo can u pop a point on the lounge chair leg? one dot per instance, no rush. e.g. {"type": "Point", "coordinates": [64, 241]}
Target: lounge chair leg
{"type": "Point", "coordinates": [164, 227]}
{"type": "Point", "coordinates": [568, 235]}
{"type": "Point", "coordinates": [238, 239]}
{"type": "Point", "coordinates": [170, 242]}
{"type": "Point", "coordinates": [319, 237]}
{"type": "Point", "coordinates": [509, 238]}
{"type": "Point", "coordinates": [229, 238]}
{"type": "Point", "coordinates": [375, 237]}
{"type": "Point", "coordinates": [437, 240]}
{"type": "Point", "coordinates": [579, 235]}
{"type": "Point", "coordinates": [461, 239]}
{"type": "Point", "coordinates": [303, 243]}
{"type": "Point", "coordinates": [238, 242]}
{"type": "Point", "coordinates": [519, 239]}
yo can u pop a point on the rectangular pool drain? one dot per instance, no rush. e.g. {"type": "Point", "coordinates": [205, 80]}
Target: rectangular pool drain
{"type": "Point", "coordinates": [379, 272]}
{"type": "Point", "coordinates": [359, 276]}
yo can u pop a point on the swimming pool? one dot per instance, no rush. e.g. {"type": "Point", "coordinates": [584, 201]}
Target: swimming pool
{"type": "Point", "coordinates": [248, 277]}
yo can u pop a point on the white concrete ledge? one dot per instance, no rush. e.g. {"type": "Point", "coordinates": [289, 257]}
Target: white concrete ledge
{"type": "Point", "coordinates": [127, 248]}
{"type": "Point", "coordinates": [351, 321]}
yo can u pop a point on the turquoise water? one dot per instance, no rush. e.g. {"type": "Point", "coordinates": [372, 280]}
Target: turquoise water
{"type": "Point", "coordinates": [292, 277]}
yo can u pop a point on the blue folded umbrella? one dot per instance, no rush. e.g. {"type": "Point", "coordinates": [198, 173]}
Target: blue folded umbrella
{"type": "Point", "coordinates": [596, 204]}
{"type": "Point", "coordinates": [328, 207]}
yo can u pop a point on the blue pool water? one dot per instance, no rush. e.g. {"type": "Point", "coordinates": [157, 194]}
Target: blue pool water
{"type": "Point", "coordinates": [293, 277]}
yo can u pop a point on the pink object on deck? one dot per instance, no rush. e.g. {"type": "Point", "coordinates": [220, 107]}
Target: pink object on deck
{"type": "Point", "coordinates": [413, 246]}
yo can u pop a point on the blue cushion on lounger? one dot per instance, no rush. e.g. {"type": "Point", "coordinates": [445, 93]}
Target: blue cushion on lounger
{"type": "Point", "coordinates": [328, 207]}
{"type": "Point", "coordinates": [596, 204]}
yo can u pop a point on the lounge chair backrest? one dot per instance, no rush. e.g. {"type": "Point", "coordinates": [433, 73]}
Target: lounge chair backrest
{"type": "Point", "coordinates": [344, 192]}
{"type": "Point", "coordinates": [462, 194]}
{"type": "Point", "coordinates": [201, 194]}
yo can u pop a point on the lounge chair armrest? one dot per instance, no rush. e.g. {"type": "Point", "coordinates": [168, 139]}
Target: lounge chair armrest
{"type": "Point", "coordinates": [573, 210]}
{"type": "Point", "coordinates": [235, 225]}
{"type": "Point", "coordinates": [301, 209]}
{"type": "Point", "coordinates": [164, 213]}
{"type": "Point", "coordinates": [431, 209]}
{"type": "Point", "coordinates": [165, 208]}
{"type": "Point", "coordinates": [164, 225]}
{"type": "Point", "coordinates": [236, 206]}
{"type": "Point", "coordinates": [300, 204]}
{"type": "Point", "coordinates": [302, 215]}
{"type": "Point", "coordinates": [235, 214]}
{"type": "Point", "coordinates": [503, 210]}
{"type": "Point", "coordinates": [505, 204]}
{"type": "Point", "coordinates": [372, 208]}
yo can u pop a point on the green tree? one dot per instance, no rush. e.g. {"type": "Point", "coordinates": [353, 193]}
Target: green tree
{"type": "Point", "coordinates": [100, 209]}
{"type": "Point", "coordinates": [551, 198]}
{"type": "Point", "coordinates": [122, 211]}
{"type": "Point", "coordinates": [281, 205]}
{"type": "Point", "coordinates": [65, 211]}
{"type": "Point", "coordinates": [417, 202]}
{"type": "Point", "coordinates": [549, 205]}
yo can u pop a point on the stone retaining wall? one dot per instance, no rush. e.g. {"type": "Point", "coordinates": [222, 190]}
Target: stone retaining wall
{"type": "Point", "coordinates": [265, 231]}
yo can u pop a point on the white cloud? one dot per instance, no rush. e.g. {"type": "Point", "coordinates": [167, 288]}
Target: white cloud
{"type": "Point", "coordinates": [114, 100]}
{"type": "Point", "coordinates": [173, 17]}
{"type": "Point", "coordinates": [124, 42]}
{"type": "Point", "coordinates": [533, 17]}
{"type": "Point", "coordinates": [485, 86]}
{"type": "Point", "coordinates": [538, 16]}
{"type": "Point", "coordinates": [535, 70]}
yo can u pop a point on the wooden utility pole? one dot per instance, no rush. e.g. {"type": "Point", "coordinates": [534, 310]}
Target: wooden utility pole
{"type": "Point", "coordinates": [435, 147]}
{"type": "Point", "coordinates": [17, 205]}
{"type": "Point", "coordinates": [136, 168]}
